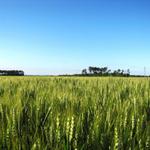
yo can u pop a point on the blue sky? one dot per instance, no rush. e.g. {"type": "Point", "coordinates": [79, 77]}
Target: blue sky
{"type": "Point", "coordinates": [65, 36]}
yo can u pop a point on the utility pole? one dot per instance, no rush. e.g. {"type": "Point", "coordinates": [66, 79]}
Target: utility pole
{"type": "Point", "coordinates": [144, 71]}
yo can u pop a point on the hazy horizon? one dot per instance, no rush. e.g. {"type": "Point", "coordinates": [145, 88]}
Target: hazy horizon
{"type": "Point", "coordinates": [45, 37]}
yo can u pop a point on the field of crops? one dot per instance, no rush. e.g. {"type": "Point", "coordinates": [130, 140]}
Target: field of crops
{"type": "Point", "coordinates": [72, 113]}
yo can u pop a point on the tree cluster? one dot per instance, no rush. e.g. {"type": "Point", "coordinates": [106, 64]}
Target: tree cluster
{"type": "Point", "coordinates": [11, 73]}
{"type": "Point", "coordinates": [104, 71]}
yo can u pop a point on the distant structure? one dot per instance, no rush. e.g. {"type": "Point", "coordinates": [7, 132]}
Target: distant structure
{"type": "Point", "coordinates": [11, 73]}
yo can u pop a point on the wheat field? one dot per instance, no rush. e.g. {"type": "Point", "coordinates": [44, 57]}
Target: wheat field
{"type": "Point", "coordinates": [74, 113]}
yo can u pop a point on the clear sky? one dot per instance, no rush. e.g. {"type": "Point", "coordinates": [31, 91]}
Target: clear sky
{"type": "Point", "coordinates": [65, 36]}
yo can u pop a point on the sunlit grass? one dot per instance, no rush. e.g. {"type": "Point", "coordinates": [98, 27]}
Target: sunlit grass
{"type": "Point", "coordinates": [74, 113]}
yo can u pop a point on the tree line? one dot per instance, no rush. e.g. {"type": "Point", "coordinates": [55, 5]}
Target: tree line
{"type": "Point", "coordinates": [104, 71]}
{"type": "Point", "coordinates": [11, 73]}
